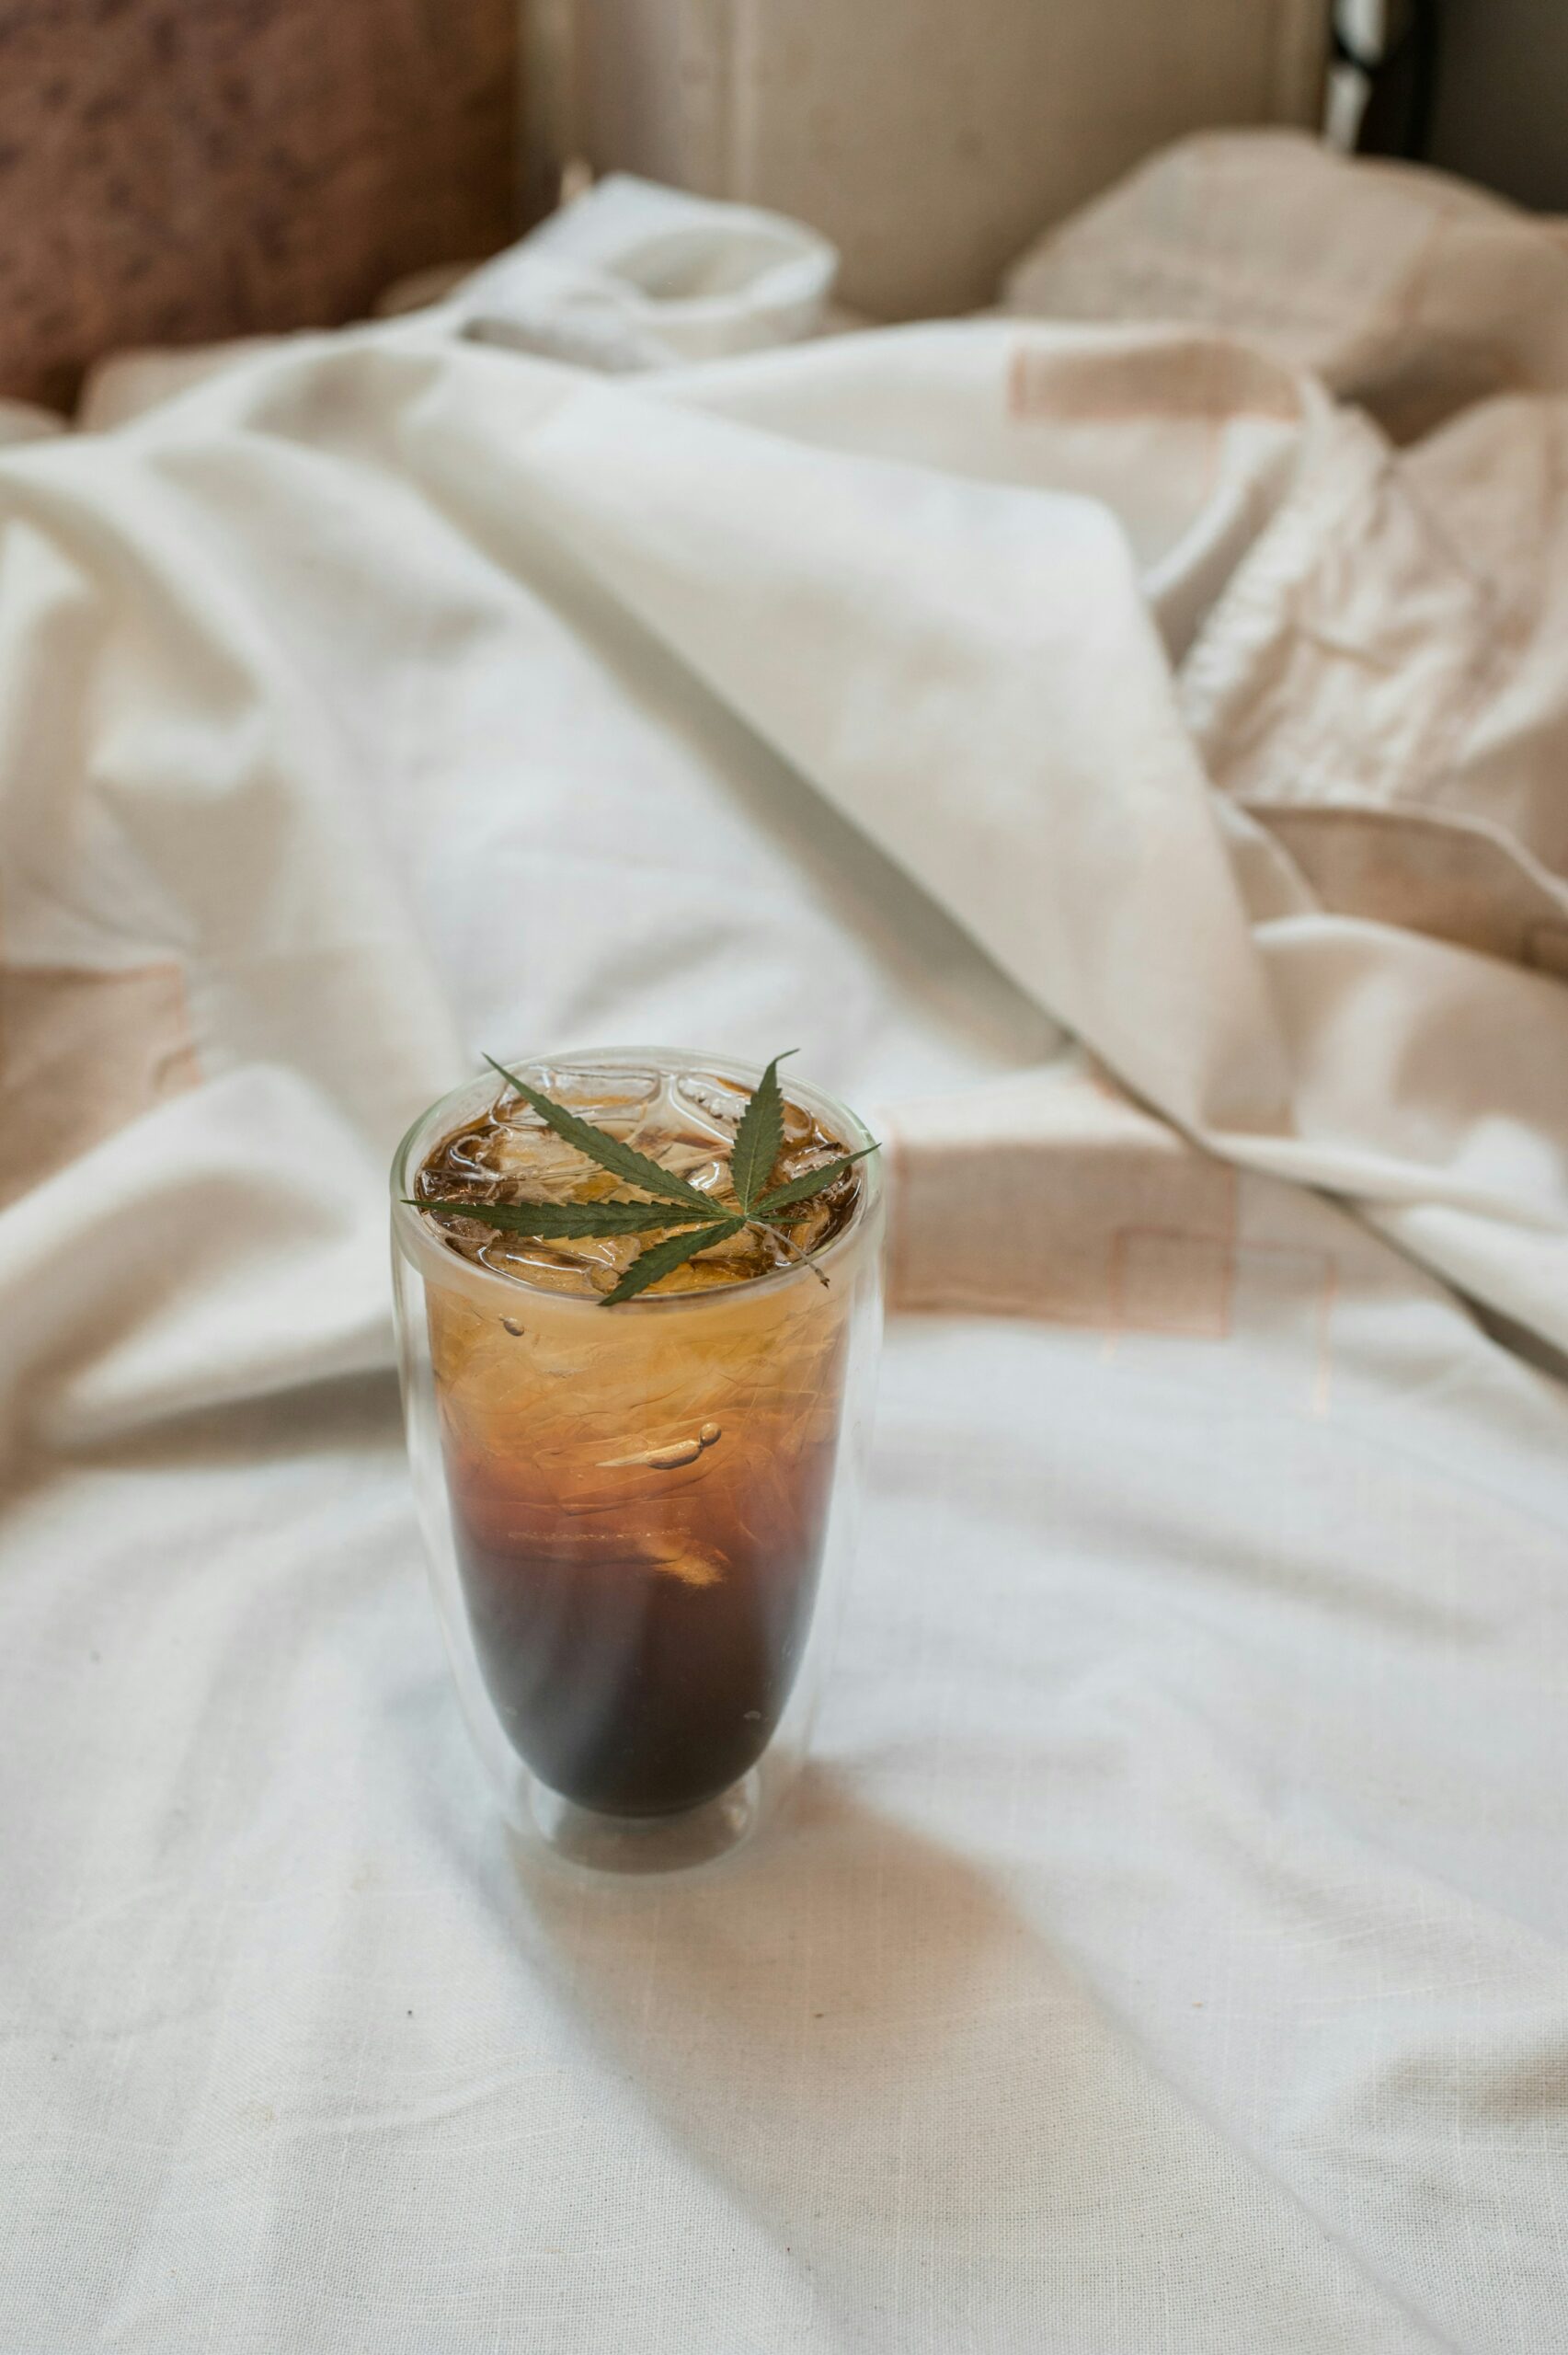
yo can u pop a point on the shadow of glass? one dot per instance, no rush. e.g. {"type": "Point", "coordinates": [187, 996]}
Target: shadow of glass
{"type": "Point", "coordinates": [851, 2030]}
{"type": "Point", "coordinates": [862, 2046]}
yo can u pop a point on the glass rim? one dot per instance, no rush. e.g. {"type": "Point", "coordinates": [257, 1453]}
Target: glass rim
{"type": "Point", "coordinates": [416, 1239]}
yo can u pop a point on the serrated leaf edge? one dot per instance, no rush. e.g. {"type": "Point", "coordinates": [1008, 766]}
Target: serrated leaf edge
{"type": "Point", "coordinates": [759, 1137]}
{"type": "Point", "coordinates": [801, 1190]}
{"type": "Point", "coordinates": [587, 1219]}
{"type": "Point", "coordinates": [623, 1161]}
{"type": "Point", "coordinates": [672, 1254]}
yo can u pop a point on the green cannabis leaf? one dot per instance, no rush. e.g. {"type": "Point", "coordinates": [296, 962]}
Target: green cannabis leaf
{"type": "Point", "coordinates": [600, 1146]}
{"type": "Point", "coordinates": [549, 1219]}
{"type": "Point", "coordinates": [660, 1257]}
{"type": "Point", "coordinates": [759, 1137]}
{"type": "Point", "coordinates": [705, 1218]}
{"type": "Point", "coordinates": [800, 1189]}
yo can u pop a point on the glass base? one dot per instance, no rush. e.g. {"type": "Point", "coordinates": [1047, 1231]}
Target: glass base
{"type": "Point", "coordinates": [645, 1844]}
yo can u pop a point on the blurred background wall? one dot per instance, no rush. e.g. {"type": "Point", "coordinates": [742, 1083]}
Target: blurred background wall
{"type": "Point", "coordinates": [175, 170]}
{"type": "Point", "coordinates": [1500, 108]}
{"type": "Point", "coordinates": [929, 139]}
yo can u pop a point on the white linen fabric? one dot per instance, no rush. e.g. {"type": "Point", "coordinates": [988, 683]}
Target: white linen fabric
{"type": "Point", "coordinates": [632, 275]}
{"type": "Point", "coordinates": [1121, 762]}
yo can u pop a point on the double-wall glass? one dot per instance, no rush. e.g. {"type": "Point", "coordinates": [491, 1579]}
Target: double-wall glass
{"type": "Point", "coordinates": [638, 1518]}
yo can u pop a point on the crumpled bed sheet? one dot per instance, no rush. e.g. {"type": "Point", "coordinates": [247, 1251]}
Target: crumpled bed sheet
{"type": "Point", "coordinates": [1141, 775]}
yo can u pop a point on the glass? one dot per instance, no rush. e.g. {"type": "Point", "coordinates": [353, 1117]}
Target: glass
{"type": "Point", "coordinates": [638, 1518]}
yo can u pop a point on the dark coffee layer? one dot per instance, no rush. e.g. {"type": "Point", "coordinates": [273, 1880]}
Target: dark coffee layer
{"type": "Point", "coordinates": [633, 1687]}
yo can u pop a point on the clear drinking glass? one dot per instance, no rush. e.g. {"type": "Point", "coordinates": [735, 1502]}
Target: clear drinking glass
{"type": "Point", "coordinates": [638, 1518]}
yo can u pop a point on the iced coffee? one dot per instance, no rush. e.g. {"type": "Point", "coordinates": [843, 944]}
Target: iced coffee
{"type": "Point", "coordinates": [639, 1495]}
